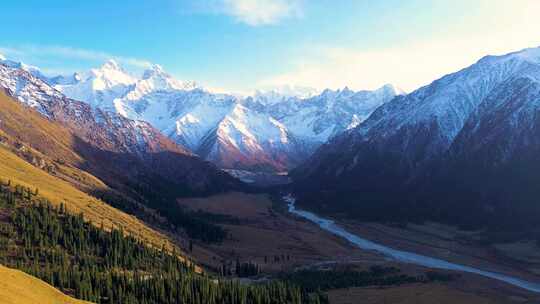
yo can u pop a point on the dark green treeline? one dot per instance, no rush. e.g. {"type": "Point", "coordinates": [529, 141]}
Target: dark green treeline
{"type": "Point", "coordinates": [112, 267]}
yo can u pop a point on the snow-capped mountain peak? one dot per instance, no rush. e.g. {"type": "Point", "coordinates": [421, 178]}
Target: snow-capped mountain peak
{"type": "Point", "coordinates": [277, 94]}
{"type": "Point", "coordinates": [111, 64]}
{"type": "Point", "coordinates": [275, 128]}
{"type": "Point", "coordinates": [466, 144]}
{"type": "Point", "coordinates": [155, 78]}
{"type": "Point", "coordinates": [98, 87]}
{"type": "Point", "coordinates": [390, 88]}
{"type": "Point", "coordinates": [346, 90]}
{"type": "Point", "coordinates": [449, 101]}
{"type": "Point", "coordinates": [110, 74]}
{"type": "Point", "coordinates": [154, 70]}
{"type": "Point", "coordinates": [65, 80]}
{"type": "Point", "coordinates": [36, 72]}
{"type": "Point", "coordinates": [287, 90]}
{"type": "Point", "coordinates": [531, 54]}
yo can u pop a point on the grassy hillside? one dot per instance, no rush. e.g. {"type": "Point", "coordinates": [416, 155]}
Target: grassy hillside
{"type": "Point", "coordinates": [17, 287]}
{"type": "Point", "coordinates": [56, 190]}
{"type": "Point", "coordinates": [26, 125]}
{"type": "Point", "coordinates": [79, 152]}
{"type": "Point", "coordinates": [111, 267]}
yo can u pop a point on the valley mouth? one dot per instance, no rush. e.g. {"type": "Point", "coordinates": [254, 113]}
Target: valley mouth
{"type": "Point", "coordinates": [266, 229]}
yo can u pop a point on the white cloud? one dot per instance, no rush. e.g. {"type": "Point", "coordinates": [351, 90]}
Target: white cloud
{"type": "Point", "coordinates": [262, 12]}
{"type": "Point", "coordinates": [64, 52]}
{"type": "Point", "coordinates": [510, 26]}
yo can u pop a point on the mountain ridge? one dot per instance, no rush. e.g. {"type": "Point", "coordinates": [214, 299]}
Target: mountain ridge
{"type": "Point", "coordinates": [188, 114]}
{"type": "Point", "coordinates": [105, 131]}
{"type": "Point", "coordinates": [139, 170]}
{"type": "Point", "coordinates": [422, 154]}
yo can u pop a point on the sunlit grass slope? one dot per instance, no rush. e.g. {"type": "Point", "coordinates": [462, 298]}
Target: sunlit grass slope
{"type": "Point", "coordinates": [56, 190]}
{"type": "Point", "coordinates": [17, 287]}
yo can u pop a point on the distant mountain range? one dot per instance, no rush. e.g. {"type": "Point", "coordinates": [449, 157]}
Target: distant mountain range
{"type": "Point", "coordinates": [270, 131]}
{"type": "Point", "coordinates": [131, 156]}
{"type": "Point", "coordinates": [464, 149]}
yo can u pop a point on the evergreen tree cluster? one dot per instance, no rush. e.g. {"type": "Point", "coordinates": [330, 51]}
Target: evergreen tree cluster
{"type": "Point", "coordinates": [246, 269]}
{"type": "Point", "coordinates": [112, 267]}
{"type": "Point", "coordinates": [162, 197]}
{"type": "Point", "coordinates": [322, 280]}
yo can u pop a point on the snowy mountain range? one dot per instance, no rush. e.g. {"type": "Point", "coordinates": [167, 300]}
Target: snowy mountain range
{"type": "Point", "coordinates": [468, 144]}
{"type": "Point", "coordinates": [273, 130]}
{"type": "Point", "coordinates": [125, 135]}
{"type": "Point", "coordinates": [119, 150]}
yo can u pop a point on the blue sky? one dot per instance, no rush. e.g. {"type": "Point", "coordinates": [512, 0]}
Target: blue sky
{"type": "Point", "coordinates": [239, 45]}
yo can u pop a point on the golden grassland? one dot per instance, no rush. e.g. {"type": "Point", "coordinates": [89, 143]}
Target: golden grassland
{"type": "Point", "coordinates": [29, 141]}
{"type": "Point", "coordinates": [56, 190]}
{"type": "Point", "coordinates": [17, 287]}
{"type": "Point", "coordinates": [29, 126]}
{"type": "Point", "coordinates": [33, 137]}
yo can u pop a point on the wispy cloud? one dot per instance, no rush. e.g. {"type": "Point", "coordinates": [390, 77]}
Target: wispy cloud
{"type": "Point", "coordinates": [415, 63]}
{"type": "Point", "coordinates": [251, 12]}
{"type": "Point", "coordinates": [263, 12]}
{"type": "Point", "coordinates": [55, 52]}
